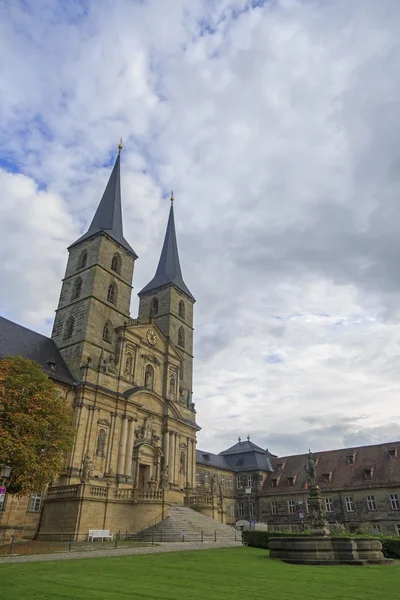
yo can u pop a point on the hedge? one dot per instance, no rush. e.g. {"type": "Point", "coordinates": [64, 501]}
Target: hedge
{"type": "Point", "coordinates": [259, 539]}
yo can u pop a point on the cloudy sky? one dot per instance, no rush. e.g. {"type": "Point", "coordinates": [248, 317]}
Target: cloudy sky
{"type": "Point", "coordinates": [276, 123]}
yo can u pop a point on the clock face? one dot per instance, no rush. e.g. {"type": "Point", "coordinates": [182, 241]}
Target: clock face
{"type": "Point", "coordinates": [151, 337]}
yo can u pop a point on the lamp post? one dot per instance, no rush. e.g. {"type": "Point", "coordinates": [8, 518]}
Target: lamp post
{"type": "Point", "coordinates": [5, 472]}
{"type": "Point", "coordinates": [248, 492]}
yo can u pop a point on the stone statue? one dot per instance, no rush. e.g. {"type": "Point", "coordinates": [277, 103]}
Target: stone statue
{"type": "Point", "coordinates": [111, 366]}
{"type": "Point", "coordinates": [109, 477]}
{"type": "Point", "coordinates": [182, 464]}
{"type": "Point", "coordinates": [213, 482]}
{"type": "Point", "coordinates": [310, 471]}
{"type": "Point", "coordinates": [87, 469]}
{"type": "Point", "coordinates": [164, 483]}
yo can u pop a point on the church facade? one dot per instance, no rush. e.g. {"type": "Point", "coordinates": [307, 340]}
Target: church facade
{"type": "Point", "coordinates": [129, 382]}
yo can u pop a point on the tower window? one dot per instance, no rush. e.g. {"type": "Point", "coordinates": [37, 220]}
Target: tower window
{"type": "Point", "coordinates": [149, 377]}
{"type": "Point", "coordinates": [181, 337]}
{"type": "Point", "coordinates": [116, 263]}
{"type": "Point", "coordinates": [181, 309]}
{"type": "Point", "coordinates": [82, 260]}
{"type": "Point", "coordinates": [154, 307]}
{"type": "Point", "coordinates": [112, 293]}
{"type": "Point", "coordinates": [107, 333]}
{"type": "Point", "coordinates": [69, 327]}
{"type": "Point", "coordinates": [77, 289]}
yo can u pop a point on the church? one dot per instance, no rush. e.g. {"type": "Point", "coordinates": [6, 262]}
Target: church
{"type": "Point", "coordinates": [130, 385]}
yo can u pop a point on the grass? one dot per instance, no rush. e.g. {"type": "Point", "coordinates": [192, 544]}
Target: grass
{"type": "Point", "coordinates": [221, 574]}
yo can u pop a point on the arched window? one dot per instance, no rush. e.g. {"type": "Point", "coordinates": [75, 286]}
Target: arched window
{"type": "Point", "coordinates": [69, 327]}
{"type": "Point", "coordinates": [154, 307]}
{"type": "Point", "coordinates": [82, 260]}
{"type": "Point", "coordinates": [181, 337]}
{"type": "Point", "coordinates": [77, 289]}
{"type": "Point", "coordinates": [129, 363]}
{"type": "Point", "coordinates": [107, 333]}
{"type": "Point", "coordinates": [116, 263]}
{"type": "Point", "coordinates": [112, 293]}
{"type": "Point", "coordinates": [149, 377]}
{"type": "Point", "coordinates": [181, 309]}
{"type": "Point", "coordinates": [101, 442]}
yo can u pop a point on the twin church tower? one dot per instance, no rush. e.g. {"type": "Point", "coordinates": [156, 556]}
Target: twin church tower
{"type": "Point", "coordinates": [94, 305]}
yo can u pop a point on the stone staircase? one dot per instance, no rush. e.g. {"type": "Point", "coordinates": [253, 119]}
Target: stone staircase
{"type": "Point", "coordinates": [186, 525]}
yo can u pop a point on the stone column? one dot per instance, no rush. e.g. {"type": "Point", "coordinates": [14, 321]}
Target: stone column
{"type": "Point", "coordinates": [193, 443]}
{"type": "Point", "coordinates": [188, 462]}
{"type": "Point", "coordinates": [122, 446]}
{"type": "Point", "coordinates": [129, 447]}
{"type": "Point", "coordinates": [171, 469]}
{"type": "Point", "coordinates": [166, 449]}
{"type": "Point", "coordinates": [177, 458]}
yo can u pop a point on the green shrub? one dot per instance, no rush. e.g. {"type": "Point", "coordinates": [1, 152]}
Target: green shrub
{"type": "Point", "coordinates": [390, 546]}
{"type": "Point", "coordinates": [259, 539]}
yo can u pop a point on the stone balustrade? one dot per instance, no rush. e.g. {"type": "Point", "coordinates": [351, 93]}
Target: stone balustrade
{"type": "Point", "coordinates": [63, 491]}
{"type": "Point", "coordinates": [201, 500]}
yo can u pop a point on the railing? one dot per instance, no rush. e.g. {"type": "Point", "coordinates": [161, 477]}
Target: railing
{"type": "Point", "coordinates": [150, 495]}
{"type": "Point", "coordinates": [97, 491]}
{"type": "Point", "coordinates": [201, 500]}
{"type": "Point", "coordinates": [124, 494]}
{"type": "Point", "coordinates": [140, 321]}
{"type": "Point", "coordinates": [62, 491]}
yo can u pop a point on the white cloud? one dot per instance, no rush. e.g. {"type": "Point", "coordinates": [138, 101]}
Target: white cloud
{"type": "Point", "coordinates": [276, 127]}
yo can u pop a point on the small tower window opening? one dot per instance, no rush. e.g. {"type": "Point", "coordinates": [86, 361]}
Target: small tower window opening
{"type": "Point", "coordinates": [112, 293]}
{"type": "Point", "coordinates": [181, 309]}
{"type": "Point", "coordinates": [181, 337]}
{"type": "Point", "coordinates": [101, 442]}
{"type": "Point", "coordinates": [154, 307]}
{"type": "Point", "coordinates": [69, 327]}
{"type": "Point", "coordinates": [107, 333]}
{"type": "Point", "coordinates": [82, 260]}
{"type": "Point", "coordinates": [149, 377]}
{"type": "Point", "coordinates": [77, 289]}
{"type": "Point", "coordinates": [116, 263]}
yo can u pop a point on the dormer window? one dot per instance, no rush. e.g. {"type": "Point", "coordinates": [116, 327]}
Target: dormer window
{"type": "Point", "coordinates": [350, 459]}
{"type": "Point", "coordinates": [290, 481]}
{"type": "Point", "coordinates": [279, 467]}
{"type": "Point", "coordinates": [393, 453]}
{"type": "Point", "coordinates": [274, 483]}
{"type": "Point", "coordinates": [326, 477]}
{"type": "Point", "coordinates": [368, 474]}
{"type": "Point", "coordinates": [52, 365]}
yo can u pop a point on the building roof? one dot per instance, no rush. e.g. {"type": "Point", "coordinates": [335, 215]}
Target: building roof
{"type": "Point", "coordinates": [16, 340]}
{"type": "Point", "coordinates": [335, 471]}
{"type": "Point", "coordinates": [244, 456]}
{"type": "Point", "coordinates": [169, 268]}
{"type": "Point", "coordinates": [108, 216]}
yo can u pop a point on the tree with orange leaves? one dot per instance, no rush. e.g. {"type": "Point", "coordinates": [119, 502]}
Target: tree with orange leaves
{"type": "Point", "coordinates": [35, 425]}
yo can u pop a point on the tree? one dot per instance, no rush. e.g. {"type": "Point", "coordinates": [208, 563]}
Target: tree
{"type": "Point", "coordinates": [35, 425]}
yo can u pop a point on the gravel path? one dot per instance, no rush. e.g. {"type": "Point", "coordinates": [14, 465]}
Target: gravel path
{"type": "Point", "coordinates": [163, 547]}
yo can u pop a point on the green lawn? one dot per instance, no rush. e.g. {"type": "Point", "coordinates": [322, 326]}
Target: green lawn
{"type": "Point", "coordinates": [243, 573]}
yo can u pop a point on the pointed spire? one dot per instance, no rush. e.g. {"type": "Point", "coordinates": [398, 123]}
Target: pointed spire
{"type": "Point", "coordinates": [108, 216]}
{"type": "Point", "coordinates": [169, 268]}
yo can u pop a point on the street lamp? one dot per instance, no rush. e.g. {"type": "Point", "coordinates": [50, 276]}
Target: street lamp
{"type": "Point", "coordinates": [5, 472]}
{"type": "Point", "coordinates": [248, 492]}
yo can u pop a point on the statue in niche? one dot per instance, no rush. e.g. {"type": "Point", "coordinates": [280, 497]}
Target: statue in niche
{"type": "Point", "coordinates": [87, 469]}
{"type": "Point", "coordinates": [111, 366]}
{"type": "Point", "coordinates": [172, 386]}
{"type": "Point", "coordinates": [182, 464]}
{"type": "Point", "coordinates": [129, 363]}
{"type": "Point", "coordinates": [149, 377]}
{"type": "Point", "coordinates": [164, 483]}
{"type": "Point", "coordinates": [101, 441]}
{"type": "Point", "coordinates": [310, 471]}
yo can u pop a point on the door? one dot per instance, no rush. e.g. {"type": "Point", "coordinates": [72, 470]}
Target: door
{"type": "Point", "coordinates": [142, 472]}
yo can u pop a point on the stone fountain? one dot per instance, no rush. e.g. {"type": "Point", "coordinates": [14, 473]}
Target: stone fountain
{"type": "Point", "coordinates": [319, 548]}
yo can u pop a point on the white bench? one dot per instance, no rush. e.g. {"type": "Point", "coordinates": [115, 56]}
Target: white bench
{"type": "Point", "coordinates": [99, 534]}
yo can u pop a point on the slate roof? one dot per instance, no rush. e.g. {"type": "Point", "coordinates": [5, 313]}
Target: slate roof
{"type": "Point", "coordinates": [16, 340]}
{"type": "Point", "coordinates": [108, 216]}
{"type": "Point", "coordinates": [244, 456]}
{"type": "Point", "coordinates": [385, 471]}
{"type": "Point", "coordinates": [169, 268]}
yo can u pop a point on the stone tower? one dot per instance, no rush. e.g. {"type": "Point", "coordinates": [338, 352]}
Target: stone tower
{"type": "Point", "coordinates": [96, 290]}
{"type": "Point", "coordinates": [167, 301]}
